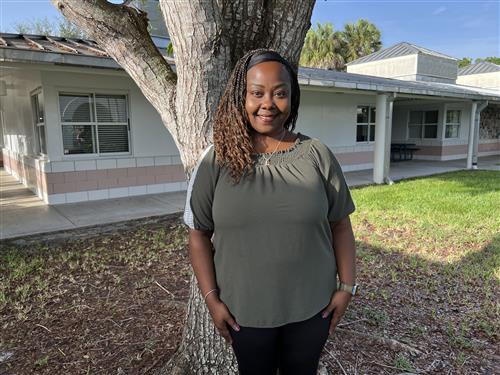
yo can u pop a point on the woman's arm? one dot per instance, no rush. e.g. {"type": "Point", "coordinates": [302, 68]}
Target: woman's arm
{"type": "Point", "coordinates": [202, 261]}
{"type": "Point", "coordinates": [345, 250]}
{"type": "Point", "coordinates": [345, 255]}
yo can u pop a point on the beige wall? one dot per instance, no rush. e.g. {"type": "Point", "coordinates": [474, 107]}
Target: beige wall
{"type": "Point", "coordinates": [415, 67]}
{"type": "Point", "coordinates": [484, 80]}
{"type": "Point", "coordinates": [396, 67]}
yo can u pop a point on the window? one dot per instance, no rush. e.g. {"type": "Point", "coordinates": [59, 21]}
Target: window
{"type": "Point", "coordinates": [423, 124]}
{"type": "Point", "coordinates": [365, 124]}
{"type": "Point", "coordinates": [94, 123]}
{"type": "Point", "coordinates": [39, 121]}
{"type": "Point", "coordinates": [452, 124]}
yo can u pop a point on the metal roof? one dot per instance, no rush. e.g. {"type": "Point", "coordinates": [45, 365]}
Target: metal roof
{"type": "Point", "coordinates": [400, 49]}
{"type": "Point", "coordinates": [332, 78]}
{"type": "Point", "coordinates": [481, 67]}
{"type": "Point", "coordinates": [52, 44]}
{"type": "Point", "coordinates": [68, 51]}
{"type": "Point", "coordinates": [55, 50]}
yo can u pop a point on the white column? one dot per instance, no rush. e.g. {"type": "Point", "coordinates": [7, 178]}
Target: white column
{"type": "Point", "coordinates": [388, 136]}
{"type": "Point", "coordinates": [477, 125]}
{"type": "Point", "coordinates": [379, 154]}
{"type": "Point", "coordinates": [470, 146]}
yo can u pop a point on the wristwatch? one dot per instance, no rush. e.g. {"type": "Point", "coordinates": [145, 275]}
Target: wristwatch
{"type": "Point", "coordinates": [348, 288]}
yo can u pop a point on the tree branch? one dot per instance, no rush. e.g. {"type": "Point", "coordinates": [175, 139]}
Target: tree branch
{"type": "Point", "coordinates": [122, 32]}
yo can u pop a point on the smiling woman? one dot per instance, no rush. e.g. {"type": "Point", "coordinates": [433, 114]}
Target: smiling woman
{"type": "Point", "coordinates": [267, 100]}
{"type": "Point", "coordinates": [257, 112]}
{"type": "Point", "coordinates": [268, 211]}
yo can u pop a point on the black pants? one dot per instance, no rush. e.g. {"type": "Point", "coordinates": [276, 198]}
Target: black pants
{"type": "Point", "coordinates": [294, 348]}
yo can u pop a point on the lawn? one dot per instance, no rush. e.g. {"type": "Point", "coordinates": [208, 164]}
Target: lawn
{"type": "Point", "coordinates": [112, 300]}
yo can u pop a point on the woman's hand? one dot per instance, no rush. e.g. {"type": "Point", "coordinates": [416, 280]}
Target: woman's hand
{"type": "Point", "coordinates": [338, 305]}
{"type": "Point", "coordinates": [221, 315]}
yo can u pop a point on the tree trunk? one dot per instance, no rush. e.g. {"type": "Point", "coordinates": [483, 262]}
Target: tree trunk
{"type": "Point", "coordinates": [202, 349]}
{"type": "Point", "coordinates": [208, 37]}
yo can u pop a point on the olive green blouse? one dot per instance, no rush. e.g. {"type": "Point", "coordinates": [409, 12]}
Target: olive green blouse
{"type": "Point", "coordinates": [273, 254]}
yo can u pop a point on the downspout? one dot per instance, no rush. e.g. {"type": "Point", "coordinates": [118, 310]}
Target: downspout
{"type": "Point", "coordinates": [477, 125]}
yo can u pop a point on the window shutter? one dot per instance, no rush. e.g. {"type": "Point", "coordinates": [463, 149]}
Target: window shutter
{"type": "Point", "coordinates": [113, 138]}
{"type": "Point", "coordinates": [111, 108]}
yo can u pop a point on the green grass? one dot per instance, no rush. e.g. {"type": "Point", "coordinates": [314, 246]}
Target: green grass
{"type": "Point", "coordinates": [403, 363]}
{"type": "Point", "coordinates": [41, 362]}
{"type": "Point", "coordinates": [450, 218]}
{"type": "Point", "coordinates": [437, 241]}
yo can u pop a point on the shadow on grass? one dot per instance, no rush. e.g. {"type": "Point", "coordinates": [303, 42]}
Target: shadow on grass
{"type": "Point", "coordinates": [447, 311]}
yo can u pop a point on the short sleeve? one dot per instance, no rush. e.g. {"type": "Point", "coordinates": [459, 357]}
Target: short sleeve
{"type": "Point", "coordinates": [340, 203]}
{"type": "Point", "coordinates": [200, 192]}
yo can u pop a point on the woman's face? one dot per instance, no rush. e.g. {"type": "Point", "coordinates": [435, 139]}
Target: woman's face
{"type": "Point", "coordinates": [268, 97]}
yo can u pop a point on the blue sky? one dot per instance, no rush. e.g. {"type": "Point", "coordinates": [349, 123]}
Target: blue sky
{"type": "Point", "coordinates": [456, 28]}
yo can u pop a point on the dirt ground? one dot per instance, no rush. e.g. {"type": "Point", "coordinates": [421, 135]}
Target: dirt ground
{"type": "Point", "coordinates": [112, 300]}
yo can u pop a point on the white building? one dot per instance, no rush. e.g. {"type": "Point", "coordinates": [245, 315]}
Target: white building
{"type": "Point", "coordinates": [76, 127]}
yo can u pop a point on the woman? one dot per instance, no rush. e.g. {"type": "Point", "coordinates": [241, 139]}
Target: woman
{"type": "Point", "coordinates": [277, 206]}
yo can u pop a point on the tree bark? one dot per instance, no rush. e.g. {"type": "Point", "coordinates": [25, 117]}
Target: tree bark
{"type": "Point", "coordinates": [208, 37]}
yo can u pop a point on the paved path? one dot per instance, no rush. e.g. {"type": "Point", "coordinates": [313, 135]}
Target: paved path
{"type": "Point", "coordinates": [22, 213]}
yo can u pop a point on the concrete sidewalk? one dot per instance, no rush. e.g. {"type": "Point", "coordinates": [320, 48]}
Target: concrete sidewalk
{"type": "Point", "coordinates": [22, 213]}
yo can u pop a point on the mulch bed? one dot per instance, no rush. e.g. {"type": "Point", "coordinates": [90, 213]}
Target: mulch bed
{"type": "Point", "coordinates": [113, 301]}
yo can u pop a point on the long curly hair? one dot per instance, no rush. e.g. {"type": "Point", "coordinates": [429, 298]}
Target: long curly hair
{"type": "Point", "coordinates": [232, 130]}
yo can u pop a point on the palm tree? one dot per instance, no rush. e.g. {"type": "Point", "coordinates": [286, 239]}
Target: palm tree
{"type": "Point", "coordinates": [323, 48]}
{"type": "Point", "coordinates": [361, 39]}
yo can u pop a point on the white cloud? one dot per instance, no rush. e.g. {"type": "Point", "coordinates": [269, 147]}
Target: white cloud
{"type": "Point", "coordinates": [439, 10]}
{"type": "Point", "coordinates": [473, 23]}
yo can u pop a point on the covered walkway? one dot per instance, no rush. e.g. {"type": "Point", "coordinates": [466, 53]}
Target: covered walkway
{"type": "Point", "coordinates": [23, 213]}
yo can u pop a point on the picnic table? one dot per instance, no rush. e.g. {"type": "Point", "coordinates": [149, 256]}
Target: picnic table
{"type": "Point", "coordinates": [403, 151]}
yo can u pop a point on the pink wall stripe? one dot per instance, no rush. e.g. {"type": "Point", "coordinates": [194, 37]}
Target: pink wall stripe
{"type": "Point", "coordinates": [66, 182]}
